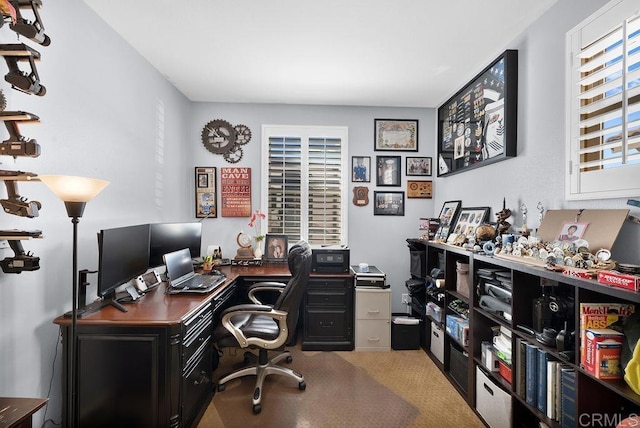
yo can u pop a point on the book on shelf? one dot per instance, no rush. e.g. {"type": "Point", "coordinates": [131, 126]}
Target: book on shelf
{"type": "Point", "coordinates": [531, 390]}
{"type": "Point", "coordinates": [598, 316]}
{"type": "Point", "coordinates": [568, 400]}
{"type": "Point", "coordinates": [521, 367]}
{"type": "Point", "coordinates": [543, 386]}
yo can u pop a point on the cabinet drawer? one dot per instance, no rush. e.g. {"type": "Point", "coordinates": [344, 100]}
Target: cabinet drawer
{"type": "Point", "coordinates": [197, 332]}
{"type": "Point", "coordinates": [373, 304]}
{"type": "Point", "coordinates": [327, 297]}
{"type": "Point", "coordinates": [327, 324]}
{"type": "Point", "coordinates": [197, 383]}
{"type": "Point", "coordinates": [373, 334]}
{"type": "Point", "coordinates": [321, 283]}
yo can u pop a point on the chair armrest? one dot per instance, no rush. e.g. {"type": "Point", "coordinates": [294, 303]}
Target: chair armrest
{"type": "Point", "coordinates": [263, 310]}
{"type": "Point", "coordinates": [245, 308]}
{"type": "Point", "coordinates": [263, 286]}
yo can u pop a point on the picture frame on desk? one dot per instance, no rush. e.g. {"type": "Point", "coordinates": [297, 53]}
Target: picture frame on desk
{"type": "Point", "coordinates": [469, 219]}
{"type": "Point", "coordinates": [276, 248]}
{"type": "Point", "coordinates": [447, 217]}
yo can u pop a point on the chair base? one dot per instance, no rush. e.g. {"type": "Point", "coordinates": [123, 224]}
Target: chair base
{"type": "Point", "coordinates": [263, 367]}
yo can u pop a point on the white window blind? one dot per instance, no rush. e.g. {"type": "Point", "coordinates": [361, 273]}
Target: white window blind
{"type": "Point", "coordinates": [304, 186]}
{"type": "Point", "coordinates": [604, 104]}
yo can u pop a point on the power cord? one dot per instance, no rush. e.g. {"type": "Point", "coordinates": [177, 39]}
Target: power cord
{"type": "Point", "coordinates": [53, 367]}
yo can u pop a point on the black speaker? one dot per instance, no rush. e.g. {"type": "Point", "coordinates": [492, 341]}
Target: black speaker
{"type": "Point", "coordinates": [418, 265]}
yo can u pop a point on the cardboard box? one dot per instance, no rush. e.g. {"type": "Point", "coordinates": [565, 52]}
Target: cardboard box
{"type": "Point", "coordinates": [603, 348]}
{"type": "Point", "coordinates": [600, 315]}
{"type": "Point", "coordinates": [617, 279]}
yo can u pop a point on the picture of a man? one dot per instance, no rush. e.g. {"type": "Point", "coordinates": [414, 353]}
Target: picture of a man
{"type": "Point", "coordinates": [275, 250]}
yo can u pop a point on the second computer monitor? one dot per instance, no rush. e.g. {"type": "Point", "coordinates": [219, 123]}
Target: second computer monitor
{"type": "Point", "coordinates": [167, 237]}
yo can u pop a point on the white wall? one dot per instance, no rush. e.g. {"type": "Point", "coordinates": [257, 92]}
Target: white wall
{"type": "Point", "coordinates": [108, 114]}
{"type": "Point", "coordinates": [376, 240]}
{"type": "Point", "coordinates": [537, 173]}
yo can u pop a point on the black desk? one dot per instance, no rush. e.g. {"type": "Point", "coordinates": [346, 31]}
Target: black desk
{"type": "Point", "coordinates": [152, 365]}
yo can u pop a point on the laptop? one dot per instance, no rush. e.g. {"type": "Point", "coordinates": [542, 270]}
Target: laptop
{"type": "Point", "coordinates": [183, 278]}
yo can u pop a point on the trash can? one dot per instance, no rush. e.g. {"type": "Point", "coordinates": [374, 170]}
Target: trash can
{"type": "Point", "coordinates": [405, 332]}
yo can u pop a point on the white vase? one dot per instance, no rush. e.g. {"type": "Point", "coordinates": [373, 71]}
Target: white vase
{"type": "Point", "coordinates": [257, 253]}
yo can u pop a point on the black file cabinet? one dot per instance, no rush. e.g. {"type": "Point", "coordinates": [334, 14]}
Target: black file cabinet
{"type": "Point", "coordinates": [328, 314]}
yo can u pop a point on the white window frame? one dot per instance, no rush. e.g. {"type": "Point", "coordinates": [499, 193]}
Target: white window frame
{"type": "Point", "coordinates": [305, 132]}
{"type": "Point", "coordinates": [619, 182]}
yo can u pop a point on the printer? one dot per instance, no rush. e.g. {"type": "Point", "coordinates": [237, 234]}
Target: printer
{"type": "Point", "coordinates": [369, 276]}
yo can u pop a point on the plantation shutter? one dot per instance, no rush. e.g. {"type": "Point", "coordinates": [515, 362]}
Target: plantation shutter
{"type": "Point", "coordinates": [605, 112]}
{"type": "Point", "coordinates": [306, 183]}
{"type": "Point", "coordinates": [285, 186]}
{"type": "Point", "coordinates": [325, 190]}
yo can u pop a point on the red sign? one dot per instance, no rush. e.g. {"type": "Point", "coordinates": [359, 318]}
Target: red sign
{"type": "Point", "coordinates": [235, 192]}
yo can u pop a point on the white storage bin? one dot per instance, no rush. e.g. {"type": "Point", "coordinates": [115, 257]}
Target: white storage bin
{"type": "Point", "coordinates": [492, 403]}
{"type": "Point", "coordinates": [437, 342]}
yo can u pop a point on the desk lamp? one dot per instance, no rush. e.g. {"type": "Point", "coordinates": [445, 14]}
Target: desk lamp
{"type": "Point", "coordinates": [75, 192]}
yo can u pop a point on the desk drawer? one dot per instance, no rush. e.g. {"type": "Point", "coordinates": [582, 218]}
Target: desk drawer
{"type": "Point", "coordinates": [324, 283]}
{"type": "Point", "coordinates": [327, 297]}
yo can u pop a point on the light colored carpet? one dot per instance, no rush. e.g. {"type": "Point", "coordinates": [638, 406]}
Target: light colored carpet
{"type": "Point", "coordinates": [344, 389]}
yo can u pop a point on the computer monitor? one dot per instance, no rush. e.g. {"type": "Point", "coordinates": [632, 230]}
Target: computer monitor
{"type": "Point", "coordinates": [168, 237]}
{"type": "Point", "coordinates": [123, 254]}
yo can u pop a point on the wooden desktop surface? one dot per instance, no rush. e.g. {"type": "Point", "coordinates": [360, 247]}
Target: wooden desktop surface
{"type": "Point", "coordinates": [17, 412]}
{"type": "Point", "coordinates": [159, 308]}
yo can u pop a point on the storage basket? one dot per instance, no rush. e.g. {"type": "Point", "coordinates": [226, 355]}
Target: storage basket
{"type": "Point", "coordinates": [462, 278]}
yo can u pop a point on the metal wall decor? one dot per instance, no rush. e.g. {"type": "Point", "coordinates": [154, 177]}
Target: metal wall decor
{"type": "Point", "coordinates": [222, 138]}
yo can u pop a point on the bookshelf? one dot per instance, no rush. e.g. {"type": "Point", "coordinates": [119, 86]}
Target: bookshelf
{"type": "Point", "coordinates": [595, 399]}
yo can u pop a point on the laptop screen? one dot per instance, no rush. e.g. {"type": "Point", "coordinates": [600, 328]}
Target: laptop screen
{"type": "Point", "coordinates": [178, 265]}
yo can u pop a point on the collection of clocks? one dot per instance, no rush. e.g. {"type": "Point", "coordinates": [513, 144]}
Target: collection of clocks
{"type": "Point", "coordinates": [222, 138]}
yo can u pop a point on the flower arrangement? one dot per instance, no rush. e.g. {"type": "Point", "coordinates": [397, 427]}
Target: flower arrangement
{"type": "Point", "coordinates": [255, 217]}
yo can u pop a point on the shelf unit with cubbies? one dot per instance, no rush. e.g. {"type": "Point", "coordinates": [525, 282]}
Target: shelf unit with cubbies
{"type": "Point", "coordinates": [594, 398]}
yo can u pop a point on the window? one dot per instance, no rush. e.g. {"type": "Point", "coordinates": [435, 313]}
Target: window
{"type": "Point", "coordinates": [603, 111]}
{"type": "Point", "coordinates": [304, 179]}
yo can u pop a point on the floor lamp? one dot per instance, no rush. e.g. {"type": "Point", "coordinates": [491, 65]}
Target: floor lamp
{"type": "Point", "coordinates": [75, 192]}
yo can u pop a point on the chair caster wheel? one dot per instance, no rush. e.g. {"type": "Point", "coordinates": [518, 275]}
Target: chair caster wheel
{"type": "Point", "coordinates": [302, 386]}
{"type": "Point", "coordinates": [289, 359]}
{"type": "Point", "coordinates": [257, 409]}
{"type": "Point", "coordinates": [220, 388]}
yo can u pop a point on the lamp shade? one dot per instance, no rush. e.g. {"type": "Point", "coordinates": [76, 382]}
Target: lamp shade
{"type": "Point", "coordinates": [73, 189]}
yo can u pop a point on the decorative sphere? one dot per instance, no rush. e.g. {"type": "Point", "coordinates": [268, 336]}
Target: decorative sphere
{"type": "Point", "coordinates": [485, 232]}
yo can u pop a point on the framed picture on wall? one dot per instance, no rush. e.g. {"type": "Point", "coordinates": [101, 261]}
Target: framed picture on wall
{"type": "Point", "coordinates": [388, 203]}
{"type": "Point", "coordinates": [418, 166]}
{"type": "Point", "coordinates": [396, 135]}
{"type": "Point", "coordinates": [361, 169]}
{"type": "Point", "coordinates": [205, 195]}
{"type": "Point", "coordinates": [388, 170]}
{"type": "Point", "coordinates": [477, 126]}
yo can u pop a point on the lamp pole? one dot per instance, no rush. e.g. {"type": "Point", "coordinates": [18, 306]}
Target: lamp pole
{"type": "Point", "coordinates": [75, 192]}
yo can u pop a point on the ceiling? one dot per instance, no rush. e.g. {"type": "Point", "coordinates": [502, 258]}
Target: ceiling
{"type": "Point", "coordinates": [409, 53]}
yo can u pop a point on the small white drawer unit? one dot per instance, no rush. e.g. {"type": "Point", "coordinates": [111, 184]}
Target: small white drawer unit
{"type": "Point", "coordinates": [373, 319]}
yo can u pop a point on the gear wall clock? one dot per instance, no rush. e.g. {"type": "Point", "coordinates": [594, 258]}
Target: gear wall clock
{"type": "Point", "coordinates": [222, 138]}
